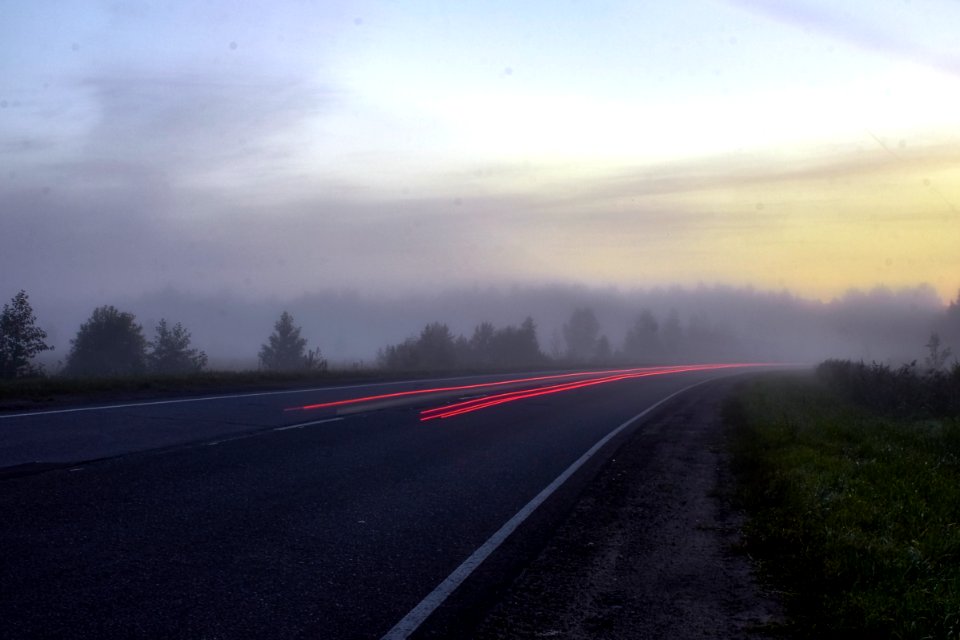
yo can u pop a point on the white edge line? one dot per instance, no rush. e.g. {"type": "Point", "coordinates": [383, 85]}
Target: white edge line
{"type": "Point", "coordinates": [442, 591]}
{"type": "Point", "coordinates": [307, 424]}
{"type": "Point", "coordinates": [152, 403]}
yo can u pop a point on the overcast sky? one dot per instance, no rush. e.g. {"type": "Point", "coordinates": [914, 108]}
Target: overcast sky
{"type": "Point", "coordinates": [294, 146]}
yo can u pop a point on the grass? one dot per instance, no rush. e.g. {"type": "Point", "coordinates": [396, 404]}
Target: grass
{"type": "Point", "coordinates": [854, 513]}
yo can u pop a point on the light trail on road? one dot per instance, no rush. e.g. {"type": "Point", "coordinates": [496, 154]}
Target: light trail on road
{"type": "Point", "coordinates": [586, 379]}
{"type": "Point", "coordinates": [468, 387]}
{"type": "Point", "coordinates": [476, 404]}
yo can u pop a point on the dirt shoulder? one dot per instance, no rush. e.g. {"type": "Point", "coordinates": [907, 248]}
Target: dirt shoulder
{"type": "Point", "coordinates": [649, 551]}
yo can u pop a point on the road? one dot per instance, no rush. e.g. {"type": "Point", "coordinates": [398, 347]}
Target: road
{"type": "Point", "coordinates": [237, 517]}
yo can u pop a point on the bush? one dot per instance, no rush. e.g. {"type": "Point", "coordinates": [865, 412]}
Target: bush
{"type": "Point", "coordinates": [110, 343]}
{"type": "Point", "coordinates": [901, 392]}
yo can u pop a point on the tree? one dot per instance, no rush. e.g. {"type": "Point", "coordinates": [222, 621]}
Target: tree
{"type": "Point", "coordinates": [642, 341]}
{"type": "Point", "coordinates": [285, 350]}
{"type": "Point", "coordinates": [313, 360]}
{"type": "Point", "coordinates": [482, 344]}
{"type": "Point", "coordinates": [951, 321]}
{"type": "Point", "coordinates": [936, 357]}
{"type": "Point", "coordinates": [436, 349]}
{"type": "Point", "coordinates": [527, 345]}
{"type": "Point", "coordinates": [399, 357]}
{"type": "Point", "coordinates": [581, 333]}
{"type": "Point", "coordinates": [110, 343]}
{"type": "Point", "coordinates": [171, 352]}
{"type": "Point", "coordinates": [20, 338]}
{"type": "Point", "coordinates": [516, 346]}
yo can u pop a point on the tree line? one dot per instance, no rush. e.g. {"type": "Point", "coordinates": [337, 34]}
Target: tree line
{"type": "Point", "coordinates": [436, 348]}
{"type": "Point", "coordinates": [112, 343]}
{"type": "Point", "coordinates": [647, 341]}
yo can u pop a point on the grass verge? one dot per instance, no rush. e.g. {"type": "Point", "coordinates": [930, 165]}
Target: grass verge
{"type": "Point", "coordinates": [854, 515]}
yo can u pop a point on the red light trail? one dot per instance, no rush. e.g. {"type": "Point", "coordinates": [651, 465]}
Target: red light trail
{"type": "Point", "coordinates": [588, 379]}
{"type": "Point", "coordinates": [465, 387]}
{"type": "Point", "coordinates": [476, 404]}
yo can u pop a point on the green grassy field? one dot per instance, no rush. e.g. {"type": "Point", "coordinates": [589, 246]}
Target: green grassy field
{"type": "Point", "coordinates": [854, 513]}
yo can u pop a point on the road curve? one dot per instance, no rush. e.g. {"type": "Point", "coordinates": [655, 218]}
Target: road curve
{"type": "Point", "coordinates": [245, 518]}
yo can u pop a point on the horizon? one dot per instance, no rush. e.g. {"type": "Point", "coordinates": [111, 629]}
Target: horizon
{"type": "Point", "coordinates": [349, 326]}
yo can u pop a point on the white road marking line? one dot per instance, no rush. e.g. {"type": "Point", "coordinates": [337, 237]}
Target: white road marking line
{"type": "Point", "coordinates": [151, 403]}
{"type": "Point", "coordinates": [412, 621]}
{"type": "Point", "coordinates": [306, 424]}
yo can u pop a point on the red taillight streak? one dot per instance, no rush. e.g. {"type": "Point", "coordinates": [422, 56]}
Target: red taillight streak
{"type": "Point", "coordinates": [476, 404]}
{"type": "Point", "coordinates": [491, 401]}
{"type": "Point", "coordinates": [522, 393]}
{"type": "Point", "coordinates": [481, 385]}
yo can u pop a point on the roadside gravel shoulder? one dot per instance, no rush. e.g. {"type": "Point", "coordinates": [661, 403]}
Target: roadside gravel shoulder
{"type": "Point", "coordinates": [649, 550]}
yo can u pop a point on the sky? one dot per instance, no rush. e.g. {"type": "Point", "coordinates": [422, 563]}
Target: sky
{"type": "Point", "coordinates": [276, 149]}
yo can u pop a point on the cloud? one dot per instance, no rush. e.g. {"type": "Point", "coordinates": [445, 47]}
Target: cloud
{"type": "Point", "coordinates": [181, 128]}
{"type": "Point", "coordinates": [109, 242]}
{"type": "Point", "coordinates": [117, 227]}
{"type": "Point", "coordinates": [188, 123]}
{"type": "Point", "coordinates": [741, 173]}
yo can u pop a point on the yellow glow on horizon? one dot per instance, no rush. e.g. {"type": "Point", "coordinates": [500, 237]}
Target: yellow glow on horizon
{"type": "Point", "coordinates": [880, 217]}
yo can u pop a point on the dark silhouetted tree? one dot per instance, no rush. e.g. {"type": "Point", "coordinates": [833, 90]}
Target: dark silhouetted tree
{"type": "Point", "coordinates": [110, 343]}
{"type": "Point", "coordinates": [642, 341]}
{"type": "Point", "coordinates": [581, 332]}
{"type": "Point", "coordinates": [482, 344]}
{"type": "Point", "coordinates": [433, 350]}
{"type": "Point", "coordinates": [937, 355]}
{"type": "Point", "coordinates": [171, 352]}
{"type": "Point", "coordinates": [20, 338]}
{"type": "Point", "coordinates": [527, 349]}
{"type": "Point", "coordinates": [515, 346]}
{"type": "Point", "coordinates": [462, 353]}
{"type": "Point", "coordinates": [285, 350]}
{"type": "Point", "coordinates": [951, 322]}
{"type": "Point", "coordinates": [399, 357]}
{"type": "Point", "coordinates": [436, 348]}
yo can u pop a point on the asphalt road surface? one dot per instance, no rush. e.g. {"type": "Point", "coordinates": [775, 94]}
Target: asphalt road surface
{"type": "Point", "coordinates": [236, 517]}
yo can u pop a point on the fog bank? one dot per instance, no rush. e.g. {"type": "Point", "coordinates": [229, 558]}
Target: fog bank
{"type": "Point", "coordinates": [719, 323]}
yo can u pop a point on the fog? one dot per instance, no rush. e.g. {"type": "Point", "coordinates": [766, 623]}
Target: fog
{"type": "Point", "coordinates": [349, 327]}
{"type": "Point", "coordinates": [372, 167]}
